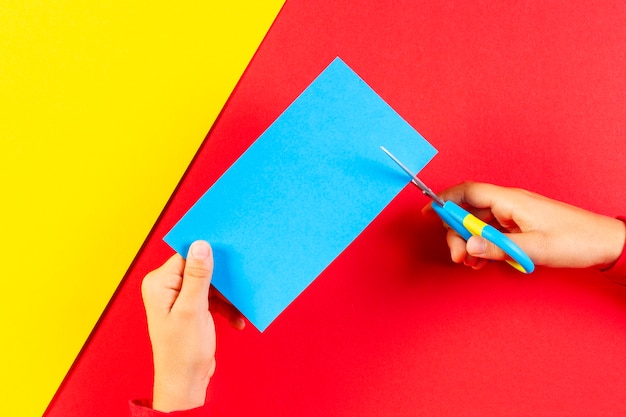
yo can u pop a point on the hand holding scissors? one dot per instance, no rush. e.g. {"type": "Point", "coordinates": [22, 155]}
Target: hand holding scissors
{"type": "Point", "coordinates": [467, 225]}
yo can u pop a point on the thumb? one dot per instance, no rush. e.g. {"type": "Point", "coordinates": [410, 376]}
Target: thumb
{"type": "Point", "coordinates": [197, 274]}
{"type": "Point", "coordinates": [482, 248]}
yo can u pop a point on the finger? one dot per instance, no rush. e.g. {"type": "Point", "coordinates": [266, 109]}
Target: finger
{"type": "Point", "coordinates": [457, 246]}
{"type": "Point", "coordinates": [529, 242]}
{"type": "Point", "coordinates": [480, 247]}
{"type": "Point", "coordinates": [473, 262]}
{"type": "Point", "coordinates": [161, 286]}
{"type": "Point", "coordinates": [480, 263]}
{"type": "Point", "coordinates": [197, 274]}
{"type": "Point", "coordinates": [475, 194]}
{"type": "Point", "coordinates": [428, 211]}
{"type": "Point", "coordinates": [484, 213]}
{"type": "Point", "coordinates": [228, 311]}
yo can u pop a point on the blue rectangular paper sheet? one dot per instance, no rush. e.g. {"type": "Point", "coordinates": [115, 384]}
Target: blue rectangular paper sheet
{"type": "Point", "coordinates": [301, 193]}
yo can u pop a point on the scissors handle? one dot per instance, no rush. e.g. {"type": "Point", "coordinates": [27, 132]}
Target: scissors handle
{"type": "Point", "coordinates": [468, 225]}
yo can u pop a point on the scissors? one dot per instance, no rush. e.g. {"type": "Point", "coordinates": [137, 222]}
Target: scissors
{"type": "Point", "coordinates": [468, 225]}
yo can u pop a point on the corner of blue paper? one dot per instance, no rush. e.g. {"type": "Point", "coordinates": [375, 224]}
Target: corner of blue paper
{"type": "Point", "coordinates": [302, 192]}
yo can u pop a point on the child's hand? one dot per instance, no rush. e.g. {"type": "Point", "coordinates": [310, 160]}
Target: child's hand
{"type": "Point", "coordinates": [182, 332]}
{"type": "Point", "coordinates": [552, 233]}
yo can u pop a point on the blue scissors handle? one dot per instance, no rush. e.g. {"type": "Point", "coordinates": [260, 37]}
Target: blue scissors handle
{"type": "Point", "coordinates": [468, 225]}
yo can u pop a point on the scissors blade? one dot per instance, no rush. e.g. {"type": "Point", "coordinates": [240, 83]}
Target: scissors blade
{"type": "Point", "coordinates": [423, 187]}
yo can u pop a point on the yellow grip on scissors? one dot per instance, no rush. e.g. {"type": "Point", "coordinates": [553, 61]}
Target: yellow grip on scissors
{"type": "Point", "coordinates": [474, 225]}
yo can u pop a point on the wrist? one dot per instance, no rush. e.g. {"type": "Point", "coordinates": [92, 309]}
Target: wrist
{"type": "Point", "coordinates": [171, 393]}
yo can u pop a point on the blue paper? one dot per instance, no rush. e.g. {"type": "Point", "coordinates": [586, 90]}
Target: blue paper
{"type": "Point", "coordinates": [301, 193]}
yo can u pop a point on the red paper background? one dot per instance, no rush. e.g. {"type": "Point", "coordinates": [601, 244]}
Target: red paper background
{"type": "Point", "coordinates": [529, 94]}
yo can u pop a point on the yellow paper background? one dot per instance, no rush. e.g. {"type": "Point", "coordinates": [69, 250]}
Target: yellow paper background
{"type": "Point", "coordinates": [102, 106]}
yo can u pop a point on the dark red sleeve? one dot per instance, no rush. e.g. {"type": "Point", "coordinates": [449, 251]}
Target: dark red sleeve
{"type": "Point", "coordinates": [617, 271]}
{"type": "Point", "coordinates": [143, 408]}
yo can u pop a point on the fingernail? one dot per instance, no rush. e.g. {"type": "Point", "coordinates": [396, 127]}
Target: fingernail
{"type": "Point", "coordinates": [476, 246]}
{"type": "Point", "coordinates": [241, 324]}
{"type": "Point", "coordinates": [199, 250]}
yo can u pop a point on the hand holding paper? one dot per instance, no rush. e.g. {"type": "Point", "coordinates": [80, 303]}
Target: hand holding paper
{"type": "Point", "coordinates": [182, 333]}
